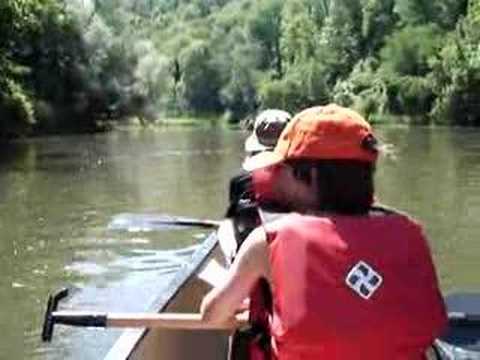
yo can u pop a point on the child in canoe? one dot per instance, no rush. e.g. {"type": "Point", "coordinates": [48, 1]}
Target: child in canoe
{"type": "Point", "coordinates": [349, 280]}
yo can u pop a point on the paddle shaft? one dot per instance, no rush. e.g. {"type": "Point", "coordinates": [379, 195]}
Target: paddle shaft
{"type": "Point", "coordinates": [185, 321]}
{"type": "Point", "coordinates": [143, 222]}
{"type": "Point", "coordinates": [209, 224]}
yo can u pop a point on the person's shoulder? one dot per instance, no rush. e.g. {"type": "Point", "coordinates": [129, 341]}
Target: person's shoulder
{"type": "Point", "coordinates": [280, 220]}
{"type": "Point", "coordinates": [396, 215]}
{"type": "Point", "coordinates": [379, 209]}
{"type": "Point", "coordinates": [294, 221]}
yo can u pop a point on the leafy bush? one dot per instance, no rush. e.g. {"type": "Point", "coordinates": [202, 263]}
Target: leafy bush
{"type": "Point", "coordinates": [16, 110]}
{"type": "Point", "coordinates": [364, 90]}
{"type": "Point", "coordinates": [456, 75]}
{"type": "Point", "coordinates": [410, 95]}
{"type": "Point", "coordinates": [408, 51]}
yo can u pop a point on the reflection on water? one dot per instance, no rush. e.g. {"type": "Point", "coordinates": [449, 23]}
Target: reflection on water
{"type": "Point", "coordinates": [58, 194]}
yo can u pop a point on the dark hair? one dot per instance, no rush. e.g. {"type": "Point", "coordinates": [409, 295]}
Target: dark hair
{"type": "Point", "coordinates": [345, 186]}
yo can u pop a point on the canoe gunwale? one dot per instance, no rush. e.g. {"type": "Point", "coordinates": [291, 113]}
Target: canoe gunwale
{"type": "Point", "coordinates": [130, 339]}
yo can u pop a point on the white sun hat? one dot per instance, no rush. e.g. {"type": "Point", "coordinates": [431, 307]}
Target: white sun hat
{"type": "Point", "coordinates": [266, 130]}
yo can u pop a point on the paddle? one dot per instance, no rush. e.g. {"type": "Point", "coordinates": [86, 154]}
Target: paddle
{"type": "Point", "coordinates": [463, 316]}
{"type": "Point", "coordinates": [134, 222]}
{"type": "Point", "coordinates": [127, 320]}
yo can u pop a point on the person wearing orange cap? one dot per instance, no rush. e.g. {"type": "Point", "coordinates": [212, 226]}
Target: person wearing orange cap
{"type": "Point", "coordinates": [349, 280]}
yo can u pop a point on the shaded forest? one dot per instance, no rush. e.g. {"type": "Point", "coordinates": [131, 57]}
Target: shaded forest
{"type": "Point", "coordinates": [78, 65]}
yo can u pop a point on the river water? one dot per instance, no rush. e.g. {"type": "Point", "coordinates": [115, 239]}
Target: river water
{"type": "Point", "coordinates": [58, 194]}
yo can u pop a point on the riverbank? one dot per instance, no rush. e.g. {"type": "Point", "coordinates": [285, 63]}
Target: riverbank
{"type": "Point", "coordinates": [205, 121]}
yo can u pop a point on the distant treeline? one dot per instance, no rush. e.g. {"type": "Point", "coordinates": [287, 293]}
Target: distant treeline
{"type": "Point", "coordinates": [74, 65]}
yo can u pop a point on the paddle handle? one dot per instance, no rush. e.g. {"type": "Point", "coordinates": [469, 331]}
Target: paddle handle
{"type": "Point", "coordinates": [186, 321]}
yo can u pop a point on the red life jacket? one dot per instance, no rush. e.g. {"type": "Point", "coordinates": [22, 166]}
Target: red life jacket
{"type": "Point", "coordinates": [348, 287]}
{"type": "Point", "coordinates": [259, 314]}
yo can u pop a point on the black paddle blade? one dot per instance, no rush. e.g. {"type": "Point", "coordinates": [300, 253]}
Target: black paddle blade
{"type": "Point", "coordinates": [49, 321]}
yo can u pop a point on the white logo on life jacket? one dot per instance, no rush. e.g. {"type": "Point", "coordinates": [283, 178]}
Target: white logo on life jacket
{"type": "Point", "coordinates": [363, 280]}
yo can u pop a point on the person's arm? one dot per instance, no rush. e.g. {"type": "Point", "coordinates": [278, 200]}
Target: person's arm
{"type": "Point", "coordinates": [251, 263]}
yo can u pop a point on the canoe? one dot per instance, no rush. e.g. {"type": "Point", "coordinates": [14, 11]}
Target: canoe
{"type": "Point", "coordinates": [183, 295]}
{"type": "Point", "coordinates": [185, 292]}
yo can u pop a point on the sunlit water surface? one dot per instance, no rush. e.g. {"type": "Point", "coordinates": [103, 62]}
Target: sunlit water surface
{"type": "Point", "coordinates": [58, 194]}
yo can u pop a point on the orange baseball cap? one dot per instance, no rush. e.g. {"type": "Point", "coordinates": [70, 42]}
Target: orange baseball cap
{"type": "Point", "coordinates": [328, 132]}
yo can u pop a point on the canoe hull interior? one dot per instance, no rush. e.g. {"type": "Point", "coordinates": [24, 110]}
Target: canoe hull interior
{"type": "Point", "coordinates": [184, 295]}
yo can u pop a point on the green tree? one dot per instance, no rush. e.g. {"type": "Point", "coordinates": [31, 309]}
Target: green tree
{"type": "Point", "coordinates": [378, 20]}
{"type": "Point", "coordinates": [17, 23]}
{"type": "Point", "coordinates": [264, 26]}
{"type": "Point", "coordinates": [474, 12]}
{"type": "Point", "coordinates": [238, 61]}
{"type": "Point", "coordinates": [405, 67]}
{"type": "Point", "coordinates": [71, 65]}
{"type": "Point", "coordinates": [444, 13]}
{"type": "Point", "coordinates": [456, 74]}
{"type": "Point", "coordinates": [364, 90]}
{"type": "Point", "coordinates": [200, 83]}
{"type": "Point", "coordinates": [407, 51]}
{"type": "Point", "coordinates": [339, 40]}
{"type": "Point", "coordinates": [299, 32]}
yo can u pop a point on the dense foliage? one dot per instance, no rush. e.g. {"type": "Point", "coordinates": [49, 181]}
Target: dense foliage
{"type": "Point", "coordinates": [72, 65]}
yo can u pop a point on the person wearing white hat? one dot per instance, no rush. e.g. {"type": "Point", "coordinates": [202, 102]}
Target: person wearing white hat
{"type": "Point", "coordinates": [266, 130]}
{"type": "Point", "coordinates": [242, 214]}
{"type": "Point", "coordinates": [267, 127]}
